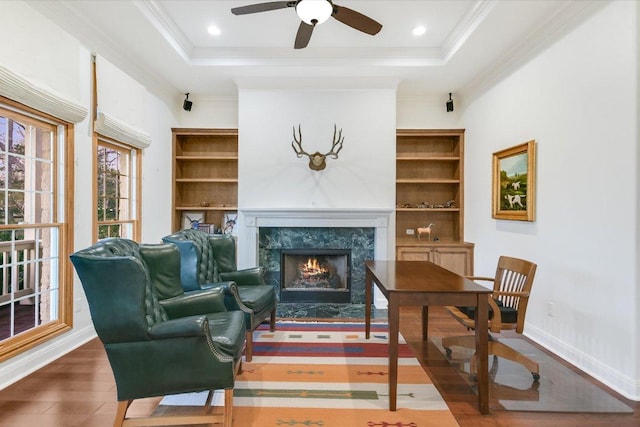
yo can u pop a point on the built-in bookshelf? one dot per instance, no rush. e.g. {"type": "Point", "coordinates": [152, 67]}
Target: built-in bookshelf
{"type": "Point", "coordinates": [205, 175]}
{"type": "Point", "coordinates": [430, 190]}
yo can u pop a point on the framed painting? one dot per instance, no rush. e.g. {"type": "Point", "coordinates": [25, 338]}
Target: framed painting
{"type": "Point", "coordinates": [514, 182]}
{"type": "Point", "coordinates": [192, 219]}
{"type": "Point", "coordinates": [229, 225]}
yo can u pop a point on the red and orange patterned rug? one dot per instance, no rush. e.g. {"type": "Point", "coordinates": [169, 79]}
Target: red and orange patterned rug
{"type": "Point", "coordinates": [325, 375]}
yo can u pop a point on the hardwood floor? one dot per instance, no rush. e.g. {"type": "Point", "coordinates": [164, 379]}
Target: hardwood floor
{"type": "Point", "coordinates": [78, 389]}
{"type": "Point", "coordinates": [462, 401]}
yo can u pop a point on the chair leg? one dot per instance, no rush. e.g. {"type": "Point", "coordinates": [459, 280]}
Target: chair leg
{"type": "Point", "coordinates": [121, 412]}
{"type": "Point", "coordinates": [228, 408]}
{"type": "Point", "coordinates": [506, 352]}
{"type": "Point", "coordinates": [248, 349]}
{"type": "Point", "coordinates": [272, 322]}
{"type": "Point", "coordinates": [466, 341]}
{"type": "Point", "coordinates": [499, 349]}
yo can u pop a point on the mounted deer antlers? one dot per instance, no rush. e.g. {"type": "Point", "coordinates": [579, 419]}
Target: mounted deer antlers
{"type": "Point", "coordinates": [317, 161]}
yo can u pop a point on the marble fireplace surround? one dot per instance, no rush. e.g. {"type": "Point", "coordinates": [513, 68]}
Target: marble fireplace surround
{"type": "Point", "coordinates": [378, 219]}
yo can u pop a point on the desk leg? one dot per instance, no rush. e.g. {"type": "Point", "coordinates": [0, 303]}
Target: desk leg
{"type": "Point", "coordinates": [425, 322]}
{"type": "Point", "coordinates": [368, 284]}
{"type": "Point", "coordinates": [482, 353]}
{"type": "Point", "coordinates": [394, 330]}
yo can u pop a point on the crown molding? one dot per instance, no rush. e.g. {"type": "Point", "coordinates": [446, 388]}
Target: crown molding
{"type": "Point", "coordinates": [556, 26]}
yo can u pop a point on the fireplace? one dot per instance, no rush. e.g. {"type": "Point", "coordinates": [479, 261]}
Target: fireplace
{"type": "Point", "coordinates": [315, 275]}
{"type": "Point", "coordinates": [267, 232]}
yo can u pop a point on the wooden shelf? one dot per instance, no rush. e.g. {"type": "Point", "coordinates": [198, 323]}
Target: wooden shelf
{"type": "Point", "coordinates": [428, 181]}
{"type": "Point", "coordinates": [405, 158]}
{"type": "Point", "coordinates": [429, 171]}
{"type": "Point", "coordinates": [205, 170]}
{"type": "Point", "coordinates": [207, 208]}
{"type": "Point", "coordinates": [206, 157]}
{"type": "Point", "coordinates": [206, 180]}
{"type": "Point", "coordinates": [427, 209]}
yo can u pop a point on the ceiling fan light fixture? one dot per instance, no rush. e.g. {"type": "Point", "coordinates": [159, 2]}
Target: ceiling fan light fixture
{"type": "Point", "coordinates": [314, 12]}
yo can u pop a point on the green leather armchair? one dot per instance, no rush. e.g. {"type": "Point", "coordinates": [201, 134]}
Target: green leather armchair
{"type": "Point", "coordinates": [187, 343]}
{"type": "Point", "coordinates": [209, 261]}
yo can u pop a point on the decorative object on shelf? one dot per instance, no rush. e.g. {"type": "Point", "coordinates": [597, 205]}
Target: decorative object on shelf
{"type": "Point", "coordinates": [192, 219]}
{"type": "Point", "coordinates": [426, 230]}
{"type": "Point", "coordinates": [317, 161]}
{"type": "Point", "coordinates": [208, 228]}
{"type": "Point", "coordinates": [204, 204]}
{"type": "Point", "coordinates": [449, 204]}
{"type": "Point", "coordinates": [514, 180]}
{"type": "Point", "coordinates": [230, 223]}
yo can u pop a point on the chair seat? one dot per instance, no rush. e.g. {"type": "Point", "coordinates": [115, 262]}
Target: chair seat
{"type": "Point", "coordinates": [509, 314]}
{"type": "Point", "coordinates": [257, 298]}
{"type": "Point", "coordinates": [227, 331]}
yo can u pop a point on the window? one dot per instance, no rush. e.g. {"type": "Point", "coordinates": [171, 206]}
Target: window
{"type": "Point", "coordinates": [117, 204]}
{"type": "Point", "coordinates": [35, 283]}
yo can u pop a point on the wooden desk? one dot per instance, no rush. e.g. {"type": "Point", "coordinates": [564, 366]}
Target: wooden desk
{"type": "Point", "coordinates": [423, 283]}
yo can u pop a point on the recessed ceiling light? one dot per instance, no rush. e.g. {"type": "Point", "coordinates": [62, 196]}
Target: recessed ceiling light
{"type": "Point", "coordinates": [213, 30]}
{"type": "Point", "coordinates": [419, 30]}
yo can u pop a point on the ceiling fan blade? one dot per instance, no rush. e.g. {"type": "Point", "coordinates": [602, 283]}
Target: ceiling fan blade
{"type": "Point", "coordinates": [304, 35]}
{"type": "Point", "coordinates": [262, 7]}
{"type": "Point", "coordinates": [356, 20]}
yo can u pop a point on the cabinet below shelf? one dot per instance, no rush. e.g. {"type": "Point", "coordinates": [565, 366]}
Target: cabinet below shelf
{"type": "Point", "coordinates": [454, 256]}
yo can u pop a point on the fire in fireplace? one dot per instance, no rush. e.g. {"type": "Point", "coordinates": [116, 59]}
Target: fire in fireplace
{"type": "Point", "coordinates": [315, 275]}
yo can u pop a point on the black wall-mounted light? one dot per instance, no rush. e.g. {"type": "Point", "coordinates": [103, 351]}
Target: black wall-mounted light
{"type": "Point", "coordinates": [186, 105]}
{"type": "Point", "coordinates": [450, 104]}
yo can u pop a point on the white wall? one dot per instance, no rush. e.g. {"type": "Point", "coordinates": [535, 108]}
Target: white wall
{"type": "Point", "coordinates": [272, 176]}
{"type": "Point", "coordinates": [428, 112]}
{"type": "Point", "coordinates": [44, 53]}
{"type": "Point", "coordinates": [210, 112]}
{"type": "Point", "coordinates": [579, 101]}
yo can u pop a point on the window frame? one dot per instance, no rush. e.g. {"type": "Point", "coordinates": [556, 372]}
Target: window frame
{"type": "Point", "coordinates": [62, 219]}
{"type": "Point", "coordinates": [135, 185]}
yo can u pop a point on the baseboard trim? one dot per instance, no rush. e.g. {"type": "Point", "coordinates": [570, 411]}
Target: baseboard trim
{"type": "Point", "coordinates": [25, 364]}
{"type": "Point", "coordinates": [609, 376]}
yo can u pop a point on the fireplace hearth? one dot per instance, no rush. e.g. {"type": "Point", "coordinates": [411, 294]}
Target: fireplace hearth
{"type": "Point", "coordinates": [315, 275]}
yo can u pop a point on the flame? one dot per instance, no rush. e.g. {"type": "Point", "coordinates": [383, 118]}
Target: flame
{"type": "Point", "coordinates": [312, 265]}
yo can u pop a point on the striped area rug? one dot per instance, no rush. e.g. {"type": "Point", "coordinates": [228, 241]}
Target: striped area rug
{"type": "Point", "coordinates": [325, 375]}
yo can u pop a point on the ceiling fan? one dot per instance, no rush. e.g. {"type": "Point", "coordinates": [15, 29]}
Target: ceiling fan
{"type": "Point", "coordinates": [312, 13]}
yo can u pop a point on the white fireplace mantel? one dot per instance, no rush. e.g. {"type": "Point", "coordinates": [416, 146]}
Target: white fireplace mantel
{"type": "Point", "coordinates": [252, 219]}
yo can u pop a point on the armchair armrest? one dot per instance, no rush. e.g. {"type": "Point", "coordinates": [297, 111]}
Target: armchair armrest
{"type": "Point", "coordinates": [495, 325]}
{"type": "Point", "coordinates": [248, 276]}
{"type": "Point", "coordinates": [232, 299]}
{"type": "Point", "coordinates": [474, 278]}
{"type": "Point", "coordinates": [192, 303]}
{"type": "Point", "coordinates": [192, 326]}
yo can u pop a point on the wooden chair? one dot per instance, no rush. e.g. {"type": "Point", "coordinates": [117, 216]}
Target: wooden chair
{"type": "Point", "coordinates": [508, 307]}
